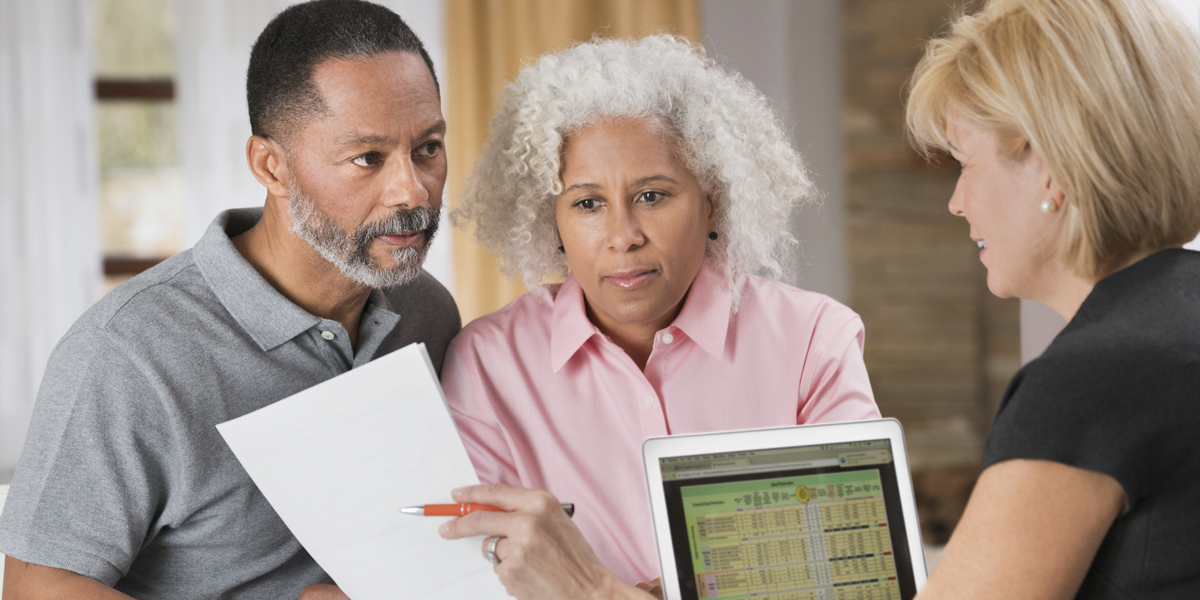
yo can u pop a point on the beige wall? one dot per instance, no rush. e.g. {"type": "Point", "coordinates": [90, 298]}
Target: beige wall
{"type": "Point", "coordinates": [940, 347]}
{"type": "Point", "coordinates": [792, 52]}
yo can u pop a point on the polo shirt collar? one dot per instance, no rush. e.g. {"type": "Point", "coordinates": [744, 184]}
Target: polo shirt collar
{"type": "Point", "coordinates": [705, 317]}
{"type": "Point", "coordinates": [269, 317]}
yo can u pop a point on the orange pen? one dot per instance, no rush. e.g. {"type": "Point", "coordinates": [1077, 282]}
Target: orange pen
{"type": "Point", "coordinates": [462, 510]}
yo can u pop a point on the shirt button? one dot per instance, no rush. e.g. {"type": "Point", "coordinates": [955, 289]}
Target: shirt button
{"type": "Point", "coordinates": [668, 338]}
{"type": "Point", "coordinates": [649, 401]}
{"type": "Point", "coordinates": [327, 335]}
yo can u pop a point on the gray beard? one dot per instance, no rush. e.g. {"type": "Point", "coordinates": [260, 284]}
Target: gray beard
{"type": "Point", "coordinates": [352, 254]}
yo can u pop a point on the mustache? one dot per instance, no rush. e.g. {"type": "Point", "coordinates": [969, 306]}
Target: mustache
{"type": "Point", "coordinates": [404, 220]}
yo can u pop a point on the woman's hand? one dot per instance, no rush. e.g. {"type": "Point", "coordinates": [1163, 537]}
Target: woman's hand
{"type": "Point", "coordinates": [543, 555]}
{"type": "Point", "coordinates": [654, 588]}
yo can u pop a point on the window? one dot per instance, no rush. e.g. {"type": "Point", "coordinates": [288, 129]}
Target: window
{"type": "Point", "coordinates": [141, 199]}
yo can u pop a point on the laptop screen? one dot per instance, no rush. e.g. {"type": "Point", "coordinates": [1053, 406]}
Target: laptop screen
{"type": "Point", "coordinates": [809, 522]}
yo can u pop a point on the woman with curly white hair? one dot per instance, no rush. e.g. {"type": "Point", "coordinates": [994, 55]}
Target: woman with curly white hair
{"type": "Point", "coordinates": [1075, 124]}
{"type": "Point", "coordinates": [659, 186]}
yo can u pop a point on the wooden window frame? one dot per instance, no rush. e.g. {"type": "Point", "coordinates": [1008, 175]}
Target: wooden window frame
{"type": "Point", "coordinates": [146, 90]}
{"type": "Point", "coordinates": [108, 88]}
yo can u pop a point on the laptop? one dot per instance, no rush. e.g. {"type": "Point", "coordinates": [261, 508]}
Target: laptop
{"type": "Point", "coordinates": [810, 512]}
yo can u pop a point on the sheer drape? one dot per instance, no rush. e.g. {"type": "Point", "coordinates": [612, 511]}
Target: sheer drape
{"type": "Point", "coordinates": [215, 37]}
{"type": "Point", "coordinates": [492, 39]}
{"type": "Point", "coordinates": [49, 250]}
{"type": "Point", "coordinates": [213, 50]}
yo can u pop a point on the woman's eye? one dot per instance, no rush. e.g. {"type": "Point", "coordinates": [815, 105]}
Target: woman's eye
{"type": "Point", "coordinates": [429, 149]}
{"type": "Point", "coordinates": [586, 204]}
{"type": "Point", "coordinates": [652, 197]}
{"type": "Point", "coordinates": [366, 160]}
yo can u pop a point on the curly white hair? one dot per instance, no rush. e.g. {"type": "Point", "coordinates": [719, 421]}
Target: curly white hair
{"type": "Point", "coordinates": [728, 134]}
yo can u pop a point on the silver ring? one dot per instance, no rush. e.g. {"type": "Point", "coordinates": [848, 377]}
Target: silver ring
{"type": "Point", "coordinates": [490, 549]}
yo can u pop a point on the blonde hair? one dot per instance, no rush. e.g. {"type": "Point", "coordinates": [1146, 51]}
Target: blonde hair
{"type": "Point", "coordinates": [1105, 91]}
{"type": "Point", "coordinates": [725, 129]}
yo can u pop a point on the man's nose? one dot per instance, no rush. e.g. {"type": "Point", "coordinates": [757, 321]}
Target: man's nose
{"type": "Point", "coordinates": [404, 186]}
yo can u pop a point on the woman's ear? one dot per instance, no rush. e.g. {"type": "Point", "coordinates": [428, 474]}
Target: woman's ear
{"type": "Point", "coordinates": [1046, 181]}
{"type": "Point", "coordinates": [1055, 193]}
{"type": "Point", "coordinates": [268, 163]}
{"type": "Point", "coordinates": [710, 205]}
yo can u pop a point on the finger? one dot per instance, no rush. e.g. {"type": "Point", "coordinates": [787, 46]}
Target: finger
{"type": "Point", "coordinates": [501, 496]}
{"type": "Point", "coordinates": [656, 589]}
{"type": "Point", "coordinates": [484, 522]}
{"type": "Point", "coordinates": [495, 549]}
{"type": "Point", "coordinates": [322, 591]}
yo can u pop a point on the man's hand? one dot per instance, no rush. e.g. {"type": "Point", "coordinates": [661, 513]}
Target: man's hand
{"type": "Point", "coordinates": [543, 556]}
{"type": "Point", "coordinates": [323, 591]}
{"type": "Point", "coordinates": [26, 581]}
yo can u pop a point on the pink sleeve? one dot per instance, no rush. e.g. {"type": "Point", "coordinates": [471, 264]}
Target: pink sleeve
{"type": "Point", "coordinates": [474, 415]}
{"type": "Point", "coordinates": [838, 388]}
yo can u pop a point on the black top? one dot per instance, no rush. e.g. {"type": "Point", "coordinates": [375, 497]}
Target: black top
{"type": "Point", "coordinates": [1118, 392]}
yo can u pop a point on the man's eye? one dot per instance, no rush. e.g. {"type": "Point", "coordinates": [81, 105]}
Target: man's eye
{"type": "Point", "coordinates": [366, 160]}
{"type": "Point", "coordinates": [429, 150]}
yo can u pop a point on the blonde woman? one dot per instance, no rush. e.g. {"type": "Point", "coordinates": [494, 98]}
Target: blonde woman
{"type": "Point", "coordinates": [1077, 124]}
{"type": "Point", "coordinates": [659, 186]}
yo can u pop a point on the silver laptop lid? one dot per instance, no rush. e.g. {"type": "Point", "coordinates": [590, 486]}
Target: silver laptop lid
{"type": "Point", "coordinates": [795, 513]}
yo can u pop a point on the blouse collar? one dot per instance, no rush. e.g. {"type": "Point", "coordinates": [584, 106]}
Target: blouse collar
{"type": "Point", "coordinates": [705, 317]}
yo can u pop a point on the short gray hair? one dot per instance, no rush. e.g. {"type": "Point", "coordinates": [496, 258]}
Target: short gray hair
{"type": "Point", "coordinates": [729, 138]}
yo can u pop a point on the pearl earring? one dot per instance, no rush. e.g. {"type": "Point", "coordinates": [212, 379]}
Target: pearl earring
{"type": "Point", "coordinates": [1048, 206]}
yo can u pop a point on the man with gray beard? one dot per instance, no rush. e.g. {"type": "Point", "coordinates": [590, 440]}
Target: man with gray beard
{"type": "Point", "coordinates": [352, 255]}
{"type": "Point", "coordinates": [125, 488]}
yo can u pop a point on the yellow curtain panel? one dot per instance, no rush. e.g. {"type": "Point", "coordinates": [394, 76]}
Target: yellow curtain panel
{"type": "Point", "coordinates": [487, 42]}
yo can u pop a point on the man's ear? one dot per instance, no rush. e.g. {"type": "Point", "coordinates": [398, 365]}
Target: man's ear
{"type": "Point", "coordinates": [268, 163]}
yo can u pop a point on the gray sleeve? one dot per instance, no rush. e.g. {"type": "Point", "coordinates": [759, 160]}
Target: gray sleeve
{"type": "Point", "coordinates": [91, 479]}
{"type": "Point", "coordinates": [428, 314]}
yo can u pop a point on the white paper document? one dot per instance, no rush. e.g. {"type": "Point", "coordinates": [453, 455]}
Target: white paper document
{"type": "Point", "coordinates": [338, 461]}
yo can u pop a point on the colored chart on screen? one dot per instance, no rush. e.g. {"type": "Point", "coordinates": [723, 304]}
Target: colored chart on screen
{"type": "Point", "coordinates": [812, 537]}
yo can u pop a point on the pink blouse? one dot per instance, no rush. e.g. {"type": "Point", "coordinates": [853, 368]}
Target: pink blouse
{"type": "Point", "coordinates": [544, 400]}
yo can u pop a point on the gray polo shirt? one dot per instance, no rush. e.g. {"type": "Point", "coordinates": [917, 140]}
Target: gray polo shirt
{"type": "Point", "coordinates": [124, 477]}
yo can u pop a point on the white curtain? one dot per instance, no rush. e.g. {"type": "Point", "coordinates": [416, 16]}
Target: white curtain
{"type": "Point", "coordinates": [215, 37]}
{"type": "Point", "coordinates": [49, 250]}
